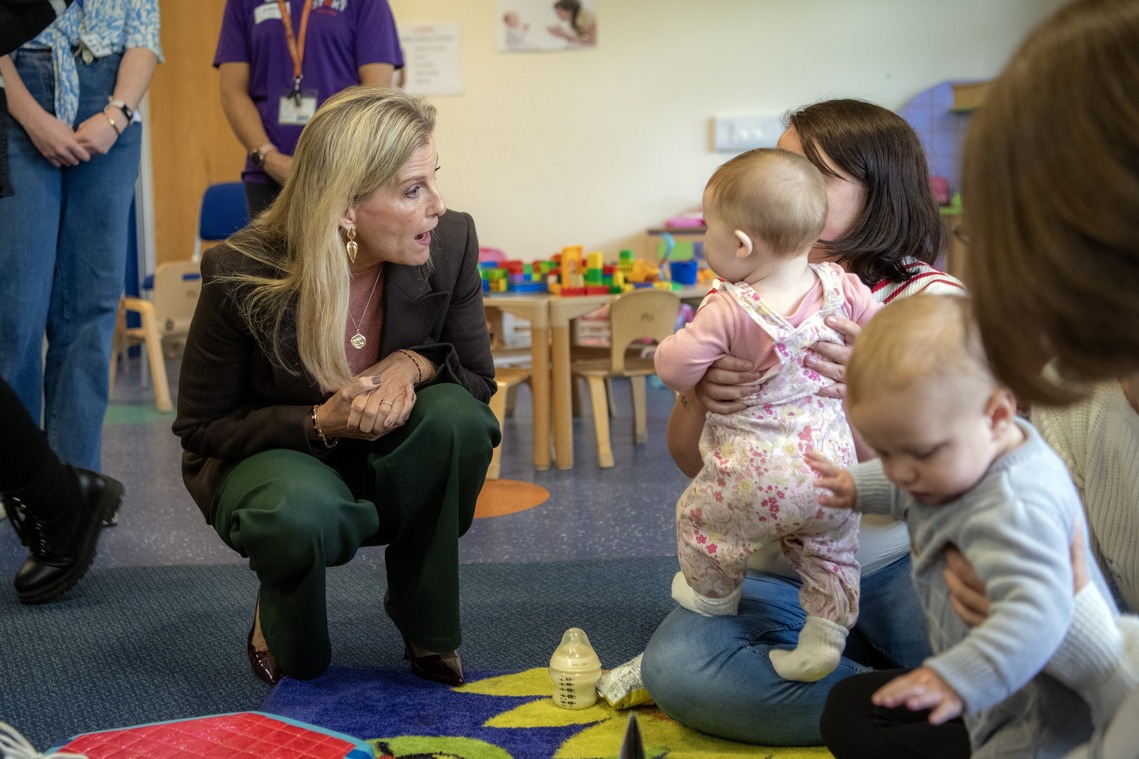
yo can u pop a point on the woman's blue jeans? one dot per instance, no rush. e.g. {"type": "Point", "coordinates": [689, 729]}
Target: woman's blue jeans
{"type": "Point", "coordinates": [63, 248]}
{"type": "Point", "coordinates": [714, 673]}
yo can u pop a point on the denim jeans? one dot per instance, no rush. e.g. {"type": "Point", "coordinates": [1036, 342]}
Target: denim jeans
{"type": "Point", "coordinates": [63, 249]}
{"type": "Point", "coordinates": [714, 673]}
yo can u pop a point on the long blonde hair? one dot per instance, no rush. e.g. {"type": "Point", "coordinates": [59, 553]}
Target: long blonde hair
{"type": "Point", "coordinates": [354, 144]}
{"type": "Point", "coordinates": [1050, 185]}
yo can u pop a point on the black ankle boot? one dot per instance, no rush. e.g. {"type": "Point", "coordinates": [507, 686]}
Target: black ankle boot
{"type": "Point", "coordinates": [60, 537]}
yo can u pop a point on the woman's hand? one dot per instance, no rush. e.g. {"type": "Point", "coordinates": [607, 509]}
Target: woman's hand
{"type": "Point", "coordinates": [921, 689]}
{"type": "Point", "coordinates": [1080, 574]}
{"type": "Point", "coordinates": [685, 425]}
{"type": "Point", "coordinates": [277, 165]}
{"type": "Point", "coordinates": [830, 359]}
{"type": "Point", "coordinates": [843, 494]}
{"type": "Point", "coordinates": [727, 381]}
{"type": "Point", "coordinates": [364, 411]}
{"type": "Point", "coordinates": [96, 135]}
{"type": "Point", "coordinates": [966, 591]}
{"type": "Point", "coordinates": [56, 141]}
{"type": "Point", "coordinates": [382, 397]}
{"type": "Point", "coordinates": [377, 402]}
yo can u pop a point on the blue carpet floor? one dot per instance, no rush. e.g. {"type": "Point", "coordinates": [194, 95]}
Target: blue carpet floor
{"type": "Point", "coordinates": [146, 644]}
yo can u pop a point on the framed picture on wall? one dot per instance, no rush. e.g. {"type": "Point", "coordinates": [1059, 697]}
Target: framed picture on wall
{"type": "Point", "coordinates": [546, 25]}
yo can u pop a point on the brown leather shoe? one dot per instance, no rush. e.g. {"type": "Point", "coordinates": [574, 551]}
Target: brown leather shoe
{"type": "Point", "coordinates": [435, 667]}
{"type": "Point", "coordinates": [263, 663]}
{"type": "Point", "coordinates": [432, 667]}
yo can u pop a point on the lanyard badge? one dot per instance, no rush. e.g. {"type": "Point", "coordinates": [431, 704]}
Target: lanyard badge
{"type": "Point", "coordinates": [297, 105]}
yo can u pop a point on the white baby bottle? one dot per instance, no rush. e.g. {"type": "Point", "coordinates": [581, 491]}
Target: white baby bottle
{"type": "Point", "coordinates": [575, 669]}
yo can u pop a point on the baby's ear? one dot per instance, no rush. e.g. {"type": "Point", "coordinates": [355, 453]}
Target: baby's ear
{"type": "Point", "coordinates": [743, 244]}
{"type": "Point", "coordinates": [1001, 408]}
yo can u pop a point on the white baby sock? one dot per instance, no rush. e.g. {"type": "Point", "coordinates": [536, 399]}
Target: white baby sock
{"type": "Point", "coordinates": [820, 647]}
{"type": "Point", "coordinates": [709, 607]}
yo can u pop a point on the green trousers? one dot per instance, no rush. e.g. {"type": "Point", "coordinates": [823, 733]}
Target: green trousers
{"type": "Point", "coordinates": [414, 490]}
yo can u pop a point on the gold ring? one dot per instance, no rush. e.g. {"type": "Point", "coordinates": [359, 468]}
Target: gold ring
{"type": "Point", "coordinates": [387, 402]}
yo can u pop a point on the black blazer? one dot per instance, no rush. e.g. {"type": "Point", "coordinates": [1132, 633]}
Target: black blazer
{"type": "Point", "coordinates": [234, 400]}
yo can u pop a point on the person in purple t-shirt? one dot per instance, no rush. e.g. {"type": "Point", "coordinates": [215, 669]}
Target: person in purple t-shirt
{"type": "Point", "coordinates": [278, 60]}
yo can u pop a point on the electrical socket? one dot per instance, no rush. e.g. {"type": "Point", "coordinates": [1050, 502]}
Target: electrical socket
{"type": "Point", "coordinates": [738, 133]}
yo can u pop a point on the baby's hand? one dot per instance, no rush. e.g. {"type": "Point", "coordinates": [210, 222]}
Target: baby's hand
{"type": "Point", "coordinates": [921, 689]}
{"type": "Point", "coordinates": [843, 494]}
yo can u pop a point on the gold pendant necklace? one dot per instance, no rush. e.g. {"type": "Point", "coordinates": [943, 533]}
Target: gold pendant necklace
{"type": "Point", "coordinates": [357, 340]}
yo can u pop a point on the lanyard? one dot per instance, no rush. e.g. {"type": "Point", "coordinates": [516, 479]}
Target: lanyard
{"type": "Point", "coordinates": [295, 42]}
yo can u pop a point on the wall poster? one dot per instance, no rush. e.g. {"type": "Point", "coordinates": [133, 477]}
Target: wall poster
{"type": "Point", "coordinates": [546, 25]}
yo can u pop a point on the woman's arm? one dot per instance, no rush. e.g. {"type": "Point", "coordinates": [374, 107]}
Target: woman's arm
{"type": "Point", "coordinates": [135, 72]}
{"type": "Point", "coordinates": [721, 389]}
{"type": "Point", "coordinates": [830, 359]}
{"type": "Point", "coordinates": [230, 403]}
{"type": "Point", "coordinates": [588, 33]}
{"type": "Point", "coordinates": [245, 120]}
{"type": "Point", "coordinates": [55, 140]}
{"type": "Point", "coordinates": [685, 424]}
{"type": "Point", "coordinates": [376, 74]}
{"type": "Point", "coordinates": [96, 133]}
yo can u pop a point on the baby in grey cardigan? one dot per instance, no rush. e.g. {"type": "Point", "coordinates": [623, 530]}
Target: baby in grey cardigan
{"type": "Point", "coordinates": [961, 469]}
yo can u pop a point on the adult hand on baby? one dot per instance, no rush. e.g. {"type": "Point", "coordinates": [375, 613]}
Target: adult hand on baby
{"type": "Point", "coordinates": [727, 381]}
{"type": "Point", "coordinates": [967, 593]}
{"type": "Point", "coordinates": [830, 359]}
{"type": "Point", "coordinates": [1080, 574]}
{"type": "Point", "coordinates": [843, 494]}
{"type": "Point", "coordinates": [921, 689]}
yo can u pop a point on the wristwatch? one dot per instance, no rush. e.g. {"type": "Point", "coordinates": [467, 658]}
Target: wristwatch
{"type": "Point", "coordinates": [257, 156]}
{"type": "Point", "coordinates": [126, 109]}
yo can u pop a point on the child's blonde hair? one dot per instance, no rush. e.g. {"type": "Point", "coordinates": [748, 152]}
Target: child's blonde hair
{"type": "Point", "coordinates": [915, 339]}
{"type": "Point", "coordinates": [772, 195]}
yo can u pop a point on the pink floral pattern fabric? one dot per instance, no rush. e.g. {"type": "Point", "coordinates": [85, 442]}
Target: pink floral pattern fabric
{"type": "Point", "coordinates": [756, 488]}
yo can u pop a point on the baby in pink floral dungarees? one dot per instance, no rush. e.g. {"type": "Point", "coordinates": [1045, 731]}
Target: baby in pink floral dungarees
{"type": "Point", "coordinates": [764, 211]}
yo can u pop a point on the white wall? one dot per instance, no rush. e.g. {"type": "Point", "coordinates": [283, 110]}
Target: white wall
{"type": "Point", "coordinates": [592, 147]}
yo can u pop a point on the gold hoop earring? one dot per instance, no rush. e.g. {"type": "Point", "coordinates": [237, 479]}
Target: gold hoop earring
{"type": "Point", "coordinates": [350, 247]}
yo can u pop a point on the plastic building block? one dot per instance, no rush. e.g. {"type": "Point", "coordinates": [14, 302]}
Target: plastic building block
{"type": "Point", "coordinates": [527, 287]}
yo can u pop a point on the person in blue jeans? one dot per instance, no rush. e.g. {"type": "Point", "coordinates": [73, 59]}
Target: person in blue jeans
{"type": "Point", "coordinates": [73, 154]}
{"type": "Point", "coordinates": [715, 674]}
{"type": "Point", "coordinates": [55, 509]}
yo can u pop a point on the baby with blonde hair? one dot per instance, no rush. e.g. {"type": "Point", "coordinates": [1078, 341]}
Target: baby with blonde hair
{"type": "Point", "coordinates": [958, 465]}
{"type": "Point", "coordinates": [764, 211]}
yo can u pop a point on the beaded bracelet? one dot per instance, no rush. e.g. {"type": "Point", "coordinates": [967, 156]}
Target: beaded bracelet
{"type": "Point", "coordinates": [328, 443]}
{"type": "Point", "coordinates": [418, 369]}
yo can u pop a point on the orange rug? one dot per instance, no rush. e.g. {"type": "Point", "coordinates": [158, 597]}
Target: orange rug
{"type": "Point", "coordinates": [501, 497]}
